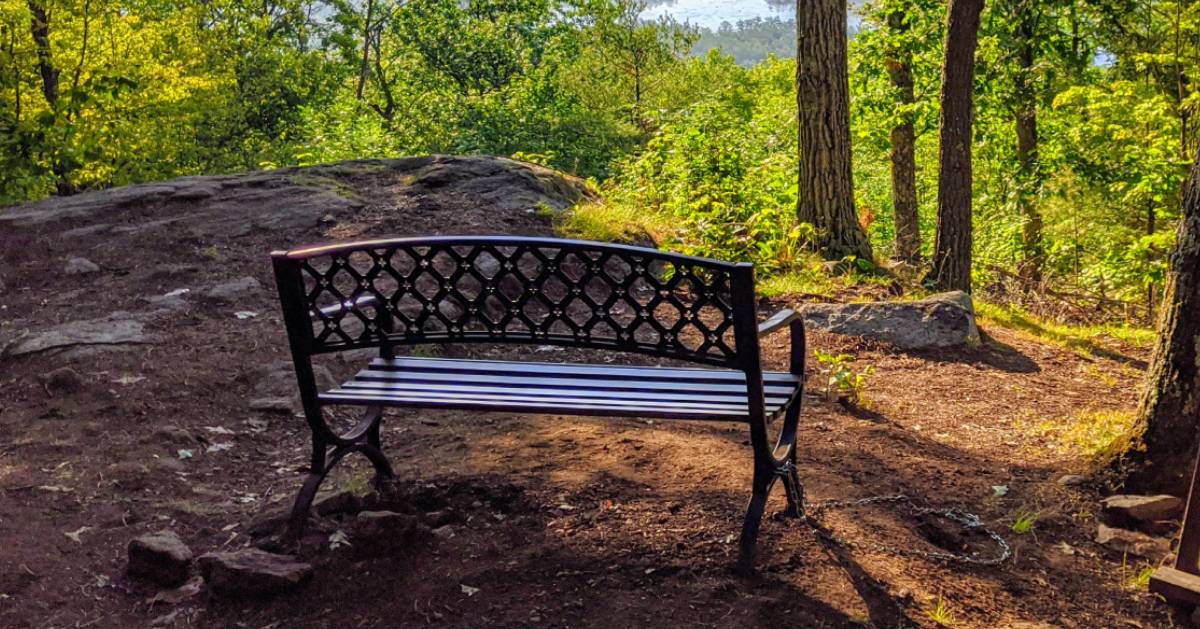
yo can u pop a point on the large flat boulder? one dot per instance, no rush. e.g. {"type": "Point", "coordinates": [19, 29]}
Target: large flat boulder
{"type": "Point", "coordinates": [942, 320]}
{"type": "Point", "coordinates": [119, 328]}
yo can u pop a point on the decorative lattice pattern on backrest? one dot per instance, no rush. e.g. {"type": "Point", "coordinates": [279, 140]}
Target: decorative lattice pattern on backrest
{"type": "Point", "coordinates": [542, 291]}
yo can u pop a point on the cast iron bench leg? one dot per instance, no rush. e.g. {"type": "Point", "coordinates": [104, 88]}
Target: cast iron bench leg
{"type": "Point", "coordinates": [365, 439]}
{"type": "Point", "coordinates": [764, 478]}
{"type": "Point", "coordinates": [767, 470]}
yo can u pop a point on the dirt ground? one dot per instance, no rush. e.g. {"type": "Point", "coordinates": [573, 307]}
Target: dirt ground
{"type": "Point", "coordinates": [559, 521]}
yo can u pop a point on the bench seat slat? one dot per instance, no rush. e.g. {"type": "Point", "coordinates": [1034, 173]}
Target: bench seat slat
{"type": "Point", "coordinates": [649, 386]}
{"type": "Point", "coordinates": [540, 407]}
{"type": "Point", "coordinates": [598, 394]}
{"type": "Point", "coordinates": [571, 370]}
{"type": "Point", "coordinates": [556, 388]}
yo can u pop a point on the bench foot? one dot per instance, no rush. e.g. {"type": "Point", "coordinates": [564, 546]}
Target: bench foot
{"type": "Point", "coordinates": [793, 488]}
{"type": "Point", "coordinates": [764, 480]}
{"type": "Point", "coordinates": [364, 439]}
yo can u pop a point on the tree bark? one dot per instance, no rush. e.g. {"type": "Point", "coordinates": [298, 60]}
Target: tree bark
{"type": "Point", "coordinates": [951, 268]}
{"type": "Point", "coordinates": [826, 187]}
{"type": "Point", "coordinates": [1029, 179]}
{"type": "Point", "coordinates": [903, 153]}
{"type": "Point", "coordinates": [1169, 410]}
{"type": "Point", "coordinates": [39, 27]}
{"type": "Point", "coordinates": [366, 51]}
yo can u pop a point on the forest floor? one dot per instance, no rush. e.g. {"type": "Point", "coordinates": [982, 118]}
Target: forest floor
{"type": "Point", "coordinates": [561, 522]}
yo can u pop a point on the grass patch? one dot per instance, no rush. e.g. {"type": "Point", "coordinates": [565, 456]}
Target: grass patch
{"type": "Point", "coordinates": [1097, 435]}
{"type": "Point", "coordinates": [940, 613]}
{"type": "Point", "coordinates": [607, 222]}
{"type": "Point", "coordinates": [813, 277]}
{"type": "Point", "coordinates": [1135, 579]}
{"type": "Point", "coordinates": [1087, 339]}
{"type": "Point", "coordinates": [1024, 521]}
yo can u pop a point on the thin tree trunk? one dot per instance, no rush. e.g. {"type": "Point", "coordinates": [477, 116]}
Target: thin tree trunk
{"type": "Point", "coordinates": [903, 153]}
{"type": "Point", "coordinates": [952, 247]}
{"type": "Point", "coordinates": [1169, 411]}
{"type": "Point", "coordinates": [826, 188]}
{"type": "Point", "coordinates": [366, 49]}
{"type": "Point", "coordinates": [1029, 179]}
{"type": "Point", "coordinates": [39, 27]}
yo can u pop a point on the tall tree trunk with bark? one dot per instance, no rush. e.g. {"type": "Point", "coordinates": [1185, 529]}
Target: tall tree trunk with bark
{"type": "Point", "coordinates": [1169, 412]}
{"type": "Point", "coordinates": [1029, 178]}
{"type": "Point", "coordinates": [903, 153]}
{"type": "Point", "coordinates": [951, 268]}
{"type": "Point", "coordinates": [826, 194]}
{"type": "Point", "coordinates": [39, 28]}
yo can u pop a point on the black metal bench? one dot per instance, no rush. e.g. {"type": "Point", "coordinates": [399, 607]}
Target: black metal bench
{"type": "Point", "coordinates": [462, 289]}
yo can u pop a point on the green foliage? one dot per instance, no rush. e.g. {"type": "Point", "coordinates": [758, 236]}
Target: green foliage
{"type": "Point", "coordinates": [1024, 521]}
{"type": "Point", "coordinates": [844, 381]}
{"type": "Point", "coordinates": [698, 153]}
{"type": "Point", "coordinates": [724, 170]}
{"type": "Point", "coordinates": [940, 613]}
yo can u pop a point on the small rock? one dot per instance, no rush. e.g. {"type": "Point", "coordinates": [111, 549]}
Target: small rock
{"type": "Point", "coordinates": [252, 572]}
{"type": "Point", "coordinates": [385, 522]}
{"type": "Point", "coordinates": [80, 266]}
{"type": "Point", "coordinates": [172, 435]}
{"type": "Point", "coordinates": [441, 517]}
{"type": "Point", "coordinates": [267, 523]}
{"type": "Point", "coordinates": [1123, 542]}
{"type": "Point", "coordinates": [1123, 510]}
{"type": "Point", "coordinates": [1158, 527]}
{"type": "Point", "coordinates": [341, 502]}
{"type": "Point", "coordinates": [444, 532]}
{"type": "Point", "coordinates": [328, 219]}
{"type": "Point", "coordinates": [62, 381]}
{"type": "Point", "coordinates": [170, 464]}
{"type": "Point", "coordinates": [1072, 480]}
{"type": "Point", "coordinates": [159, 557]}
{"type": "Point", "coordinates": [272, 405]}
{"type": "Point", "coordinates": [194, 586]}
{"type": "Point", "coordinates": [233, 288]}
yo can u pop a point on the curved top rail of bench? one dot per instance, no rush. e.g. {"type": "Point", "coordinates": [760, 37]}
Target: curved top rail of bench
{"type": "Point", "coordinates": [302, 253]}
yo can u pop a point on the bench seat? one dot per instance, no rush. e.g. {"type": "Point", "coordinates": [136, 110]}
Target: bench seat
{"type": "Point", "coordinates": [564, 389]}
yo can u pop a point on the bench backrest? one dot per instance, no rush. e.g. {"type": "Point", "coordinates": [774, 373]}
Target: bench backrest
{"type": "Point", "coordinates": [492, 289]}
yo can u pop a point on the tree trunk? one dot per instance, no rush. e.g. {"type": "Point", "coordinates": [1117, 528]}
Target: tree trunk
{"type": "Point", "coordinates": [1029, 179]}
{"type": "Point", "coordinates": [39, 27]}
{"type": "Point", "coordinates": [903, 153]}
{"type": "Point", "coordinates": [826, 193]}
{"type": "Point", "coordinates": [1169, 411]}
{"type": "Point", "coordinates": [366, 50]}
{"type": "Point", "coordinates": [951, 268]}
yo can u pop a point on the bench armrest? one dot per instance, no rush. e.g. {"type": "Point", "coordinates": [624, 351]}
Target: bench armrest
{"type": "Point", "coordinates": [795, 323]}
{"type": "Point", "coordinates": [776, 321]}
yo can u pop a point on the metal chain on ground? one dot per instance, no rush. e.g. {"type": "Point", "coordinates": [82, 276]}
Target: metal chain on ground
{"type": "Point", "coordinates": [956, 514]}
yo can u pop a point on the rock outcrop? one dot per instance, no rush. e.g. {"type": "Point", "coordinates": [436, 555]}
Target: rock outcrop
{"type": "Point", "coordinates": [943, 320]}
